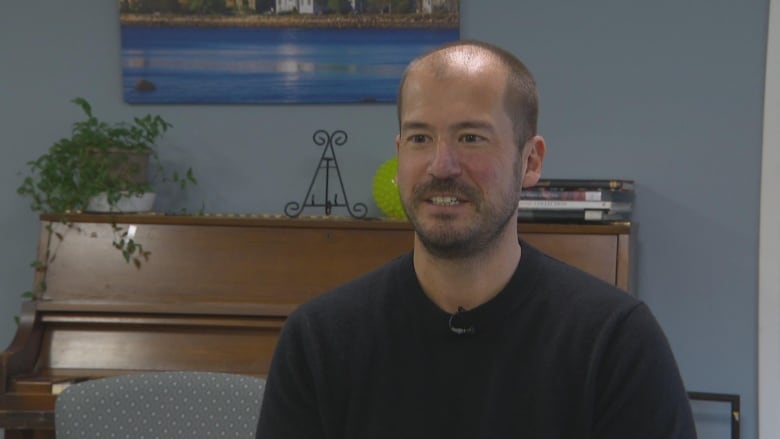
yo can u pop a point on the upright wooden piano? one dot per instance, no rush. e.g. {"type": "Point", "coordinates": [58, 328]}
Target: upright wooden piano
{"type": "Point", "coordinates": [212, 296]}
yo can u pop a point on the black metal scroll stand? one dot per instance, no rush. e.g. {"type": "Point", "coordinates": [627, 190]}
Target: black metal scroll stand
{"type": "Point", "coordinates": [327, 162]}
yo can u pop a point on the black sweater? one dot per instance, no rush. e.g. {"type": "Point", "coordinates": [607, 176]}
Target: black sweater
{"type": "Point", "coordinates": [556, 354]}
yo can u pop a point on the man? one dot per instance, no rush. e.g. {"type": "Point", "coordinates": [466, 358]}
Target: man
{"type": "Point", "coordinates": [474, 334]}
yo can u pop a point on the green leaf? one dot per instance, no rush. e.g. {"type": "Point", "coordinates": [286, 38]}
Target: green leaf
{"type": "Point", "coordinates": [92, 160]}
{"type": "Point", "coordinates": [81, 102]}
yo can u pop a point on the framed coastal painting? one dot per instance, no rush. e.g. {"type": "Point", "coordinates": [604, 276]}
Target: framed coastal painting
{"type": "Point", "coordinates": [276, 51]}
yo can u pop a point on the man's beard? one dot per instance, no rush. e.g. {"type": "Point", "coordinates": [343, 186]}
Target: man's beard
{"type": "Point", "coordinates": [445, 242]}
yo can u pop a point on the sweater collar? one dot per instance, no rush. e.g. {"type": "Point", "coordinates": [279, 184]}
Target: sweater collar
{"type": "Point", "coordinates": [486, 318]}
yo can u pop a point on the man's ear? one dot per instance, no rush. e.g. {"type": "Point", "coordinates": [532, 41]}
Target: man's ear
{"type": "Point", "coordinates": [533, 157]}
{"type": "Point", "coordinates": [397, 142]}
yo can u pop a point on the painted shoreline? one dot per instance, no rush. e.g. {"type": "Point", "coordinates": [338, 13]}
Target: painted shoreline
{"type": "Point", "coordinates": [386, 21]}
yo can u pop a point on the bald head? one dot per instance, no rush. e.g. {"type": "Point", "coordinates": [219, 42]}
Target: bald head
{"type": "Point", "coordinates": [469, 58]}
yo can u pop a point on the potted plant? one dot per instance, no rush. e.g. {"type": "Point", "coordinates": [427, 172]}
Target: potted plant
{"type": "Point", "coordinates": [101, 167]}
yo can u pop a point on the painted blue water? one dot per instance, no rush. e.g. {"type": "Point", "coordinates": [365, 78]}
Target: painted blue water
{"type": "Point", "coordinates": [270, 65]}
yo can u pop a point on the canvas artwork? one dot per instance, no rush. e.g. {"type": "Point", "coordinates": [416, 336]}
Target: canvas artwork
{"type": "Point", "coordinates": [276, 51]}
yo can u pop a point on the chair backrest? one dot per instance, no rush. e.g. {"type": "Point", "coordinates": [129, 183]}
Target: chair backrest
{"type": "Point", "coordinates": [179, 404]}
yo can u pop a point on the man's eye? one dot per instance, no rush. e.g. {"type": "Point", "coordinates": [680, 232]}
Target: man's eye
{"type": "Point", "coordinates": [418, 138]}
{"type": "Point", "coordinates": [471, 138]}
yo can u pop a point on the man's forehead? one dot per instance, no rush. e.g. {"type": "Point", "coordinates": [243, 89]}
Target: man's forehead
{"type": "Point", "coordinates": [459, 59]}
{"type": "Point", "coordinates": [478, 74]}
{"type": "Point", "coordinates": [469, 59]}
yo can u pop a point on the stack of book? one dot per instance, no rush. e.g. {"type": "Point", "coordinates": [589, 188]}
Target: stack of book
{"type": "Point", "coordinates": [577, 201]}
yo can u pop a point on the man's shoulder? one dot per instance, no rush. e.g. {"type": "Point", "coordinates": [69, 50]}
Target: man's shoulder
{"type": "Point", "coordinates": [567, 286]}
{"type": "Point", "coordinates": [370, 289]}
{"type": "Point", "coordinates": [338, 320]}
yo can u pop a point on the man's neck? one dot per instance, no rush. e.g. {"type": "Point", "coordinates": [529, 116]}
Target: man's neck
{"type": "Point", "coordinates": [467, 282]}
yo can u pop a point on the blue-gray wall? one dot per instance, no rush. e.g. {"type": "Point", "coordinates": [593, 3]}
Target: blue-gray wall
{"type": "Point", "coordinates": [668, 93]}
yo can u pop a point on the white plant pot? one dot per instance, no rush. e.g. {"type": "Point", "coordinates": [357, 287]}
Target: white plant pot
{"type": "Point", "coordinates": [134, 203]}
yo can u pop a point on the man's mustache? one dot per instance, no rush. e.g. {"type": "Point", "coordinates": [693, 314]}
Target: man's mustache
{"type": "Point", "coordinates": [447, 186]}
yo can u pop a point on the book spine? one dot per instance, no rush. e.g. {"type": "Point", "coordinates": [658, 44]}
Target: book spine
{"type": "Point", "coordinates": [585, 184]}
{"type": "Point", "coordinates": [569, 216]}
{"type": "Point", "coordinates": [564, 204]}
{"type": "Point", "coordinates": [560, 216]}
{"type": "Point", "coordinates": [575, 195]}
{"type": "Point", "coordinates": [547, 194]}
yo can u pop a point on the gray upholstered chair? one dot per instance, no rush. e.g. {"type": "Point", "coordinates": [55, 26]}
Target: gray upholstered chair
{"type": "Point", "coordinates": [161, 405]}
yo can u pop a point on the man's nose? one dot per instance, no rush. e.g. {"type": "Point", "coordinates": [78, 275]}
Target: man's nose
{"type": "Point", "coordinates": [445, 162]}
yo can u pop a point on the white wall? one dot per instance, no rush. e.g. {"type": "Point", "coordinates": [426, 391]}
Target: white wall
{"type": "Point", "coordinates": [769, 247]}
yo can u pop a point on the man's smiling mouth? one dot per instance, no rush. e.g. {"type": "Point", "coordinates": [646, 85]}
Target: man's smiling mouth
{"type": "Point", "coordinates": [444, 201]}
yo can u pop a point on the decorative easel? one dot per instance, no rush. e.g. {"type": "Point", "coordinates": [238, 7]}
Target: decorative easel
{"type": "Point", "coordinates": [327, 162]}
